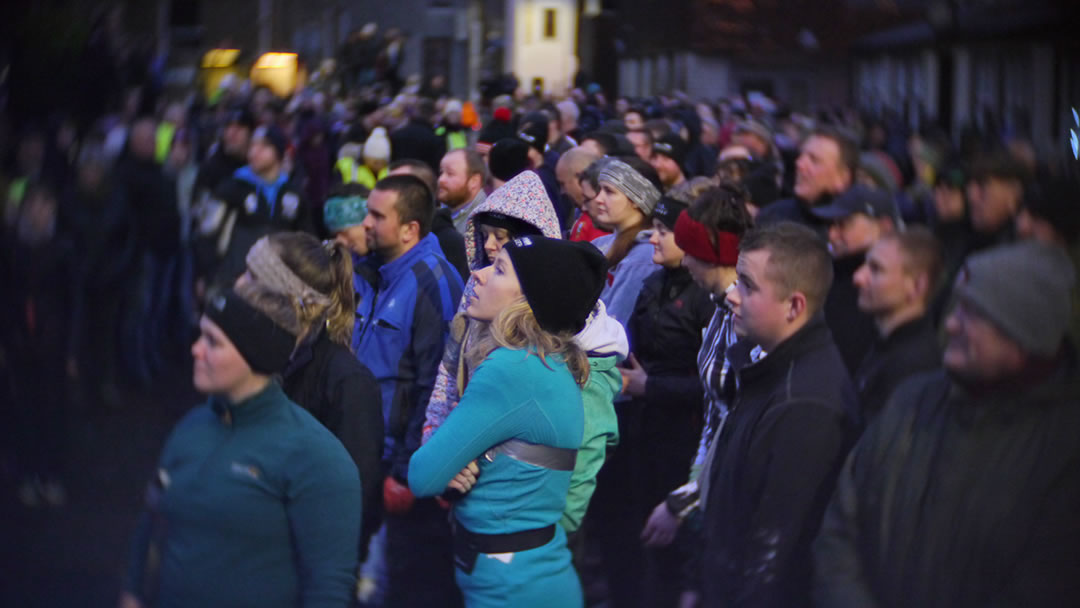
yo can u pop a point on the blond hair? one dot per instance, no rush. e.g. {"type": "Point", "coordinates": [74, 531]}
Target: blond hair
{"type": "Point", "coordinates": [327, 268]}
{"type": "Point", "coordinates": [516, 328]}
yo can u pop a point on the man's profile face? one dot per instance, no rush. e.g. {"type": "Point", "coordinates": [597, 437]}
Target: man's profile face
{"type": "Point", "coordinates": [977, 351]}
{"type": "Point", "coordinates": [384, 229]}
{"type": "Point", "coordinates": [819, 170]}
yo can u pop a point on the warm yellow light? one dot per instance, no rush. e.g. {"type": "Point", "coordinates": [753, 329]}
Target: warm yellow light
{"type": "Point", "coordinates": [270, 61]}
{"type": "Point", "coordinates": [277, 71]}
{"type": "Point", "coordinates": [220, 58]}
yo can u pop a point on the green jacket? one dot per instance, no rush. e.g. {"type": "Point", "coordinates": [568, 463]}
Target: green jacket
{"type": "Point", "coordinates": [601, 434]}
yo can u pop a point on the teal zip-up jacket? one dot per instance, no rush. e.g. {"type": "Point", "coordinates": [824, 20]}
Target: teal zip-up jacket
{"type": "Point", "coordinates": [259, 505]}
{"type": "Point", "coordinates": [512, 395]}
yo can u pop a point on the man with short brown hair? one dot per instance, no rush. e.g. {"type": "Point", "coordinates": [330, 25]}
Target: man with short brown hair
{"type": "Point", "coordinates": [774, 464]}
{"type": "Point", "coordinates": [895, 286]}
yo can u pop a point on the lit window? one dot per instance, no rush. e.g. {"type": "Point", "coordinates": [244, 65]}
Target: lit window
{"type": "Point", "coordinates": [549, 23]}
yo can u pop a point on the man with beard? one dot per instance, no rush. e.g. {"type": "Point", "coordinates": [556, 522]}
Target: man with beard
{"type": "Point", "coordinates": [462, 175]}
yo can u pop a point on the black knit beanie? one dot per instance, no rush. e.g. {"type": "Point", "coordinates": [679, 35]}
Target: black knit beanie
{"type": "Point", "coordinates": [667, 210]}
{"type": "Point", "coordinates": [508, 157]}
{"type": "Point", "coordinates": [265, 345]}
{"type": "Point", "coordinates": [561, 280]}
{"type": "Point", "coordinates": [273, 136]}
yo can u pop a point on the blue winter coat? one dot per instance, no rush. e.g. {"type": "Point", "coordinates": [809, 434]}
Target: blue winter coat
{"type": "Point", "coordinates": [403, 314]}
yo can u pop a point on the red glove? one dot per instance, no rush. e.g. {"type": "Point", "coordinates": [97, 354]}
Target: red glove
{"type": "Point", "coordinates": [397, 498]}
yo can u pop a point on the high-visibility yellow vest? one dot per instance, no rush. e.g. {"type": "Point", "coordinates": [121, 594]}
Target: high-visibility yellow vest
{"type": "Point", "coordinates": [353, 172]}
{"type": "Point", "coordinates": [455, 140]}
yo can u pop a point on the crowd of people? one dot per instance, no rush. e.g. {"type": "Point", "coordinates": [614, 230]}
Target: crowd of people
{"type": "Point", "coordinates": [653, 352]}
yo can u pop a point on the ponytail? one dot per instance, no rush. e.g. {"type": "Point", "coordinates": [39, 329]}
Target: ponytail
{"type": "Point", "coordinates": [326, 267]}
{"type": "Point", "coordinates": [342, 311]}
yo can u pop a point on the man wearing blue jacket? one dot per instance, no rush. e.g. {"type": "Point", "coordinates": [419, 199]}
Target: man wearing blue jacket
{"type": "Point", "coordinates": [407, 294]}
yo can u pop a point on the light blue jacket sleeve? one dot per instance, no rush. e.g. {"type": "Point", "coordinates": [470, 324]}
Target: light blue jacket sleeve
{"type": "Point", "coordinates": [625, 280]}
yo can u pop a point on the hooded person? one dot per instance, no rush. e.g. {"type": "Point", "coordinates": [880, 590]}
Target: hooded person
{"type": "Point", "coordinates": [518, 208]}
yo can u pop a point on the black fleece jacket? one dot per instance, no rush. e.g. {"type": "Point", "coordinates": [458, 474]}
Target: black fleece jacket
{"type": "Point", "coordinates": [774, 469]}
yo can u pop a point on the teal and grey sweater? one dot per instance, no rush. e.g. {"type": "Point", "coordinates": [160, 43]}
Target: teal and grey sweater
{"type": "Point", "coordinates": [259, 505]}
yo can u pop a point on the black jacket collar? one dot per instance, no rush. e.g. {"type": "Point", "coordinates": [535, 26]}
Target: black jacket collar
{"type": "Point", "coordinates": [812, 336]}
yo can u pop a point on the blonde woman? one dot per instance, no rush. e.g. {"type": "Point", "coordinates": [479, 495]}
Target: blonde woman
{"type": "Point", "coordinates": [511, 443]}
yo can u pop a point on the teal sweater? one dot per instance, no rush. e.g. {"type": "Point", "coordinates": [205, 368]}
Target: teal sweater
{"type": "Point", "coordinates": [512, 395]}
{"type": "Point", "coordinates": [259, 506]}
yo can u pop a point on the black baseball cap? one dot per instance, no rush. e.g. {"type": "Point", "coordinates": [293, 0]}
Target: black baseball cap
{"type": "Point", "coordinates": [858, 199]}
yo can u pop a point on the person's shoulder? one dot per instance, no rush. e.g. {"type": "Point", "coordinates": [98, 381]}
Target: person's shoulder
{"type": "Point", "coordinates": [603, 242]}
{"type": "Point", "coordinates": [783, 209]}
{"type": "Point", "coordinates": [641, 253]}
{"type": "Point", "coordinates": [342, 363]}
{"type": "Point", "coordinates": [233, 188]}
{"type": "Point", "coordinates": [200, 415]}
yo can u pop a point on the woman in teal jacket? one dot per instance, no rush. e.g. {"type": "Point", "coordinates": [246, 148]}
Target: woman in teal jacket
{"type": "Point", "coordinates": [521, 419]}
{"type": "Point", "coordinates": [255, 502]}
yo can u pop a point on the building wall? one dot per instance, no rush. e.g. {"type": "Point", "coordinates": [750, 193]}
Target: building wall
{"type": "Point", "coordinates": [532, 54]}
{"type": "Point", "coordinates": [707, 77]}
{"type": "Point", "coordinates": [1012, 82]}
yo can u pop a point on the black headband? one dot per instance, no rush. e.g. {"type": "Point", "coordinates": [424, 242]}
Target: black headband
{"type": "Point", "coordinates": [265, 345]}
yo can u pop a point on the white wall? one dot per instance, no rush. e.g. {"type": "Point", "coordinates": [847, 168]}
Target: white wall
{"type": "Point", "coordinates": [530, 55]}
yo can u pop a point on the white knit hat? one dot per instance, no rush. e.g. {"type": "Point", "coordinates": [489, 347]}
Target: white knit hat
{"type": "Point", "coordinates": [377, 146]}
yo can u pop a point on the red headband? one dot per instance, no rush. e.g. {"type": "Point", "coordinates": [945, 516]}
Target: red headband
{"type": "Point", "coordinates": [693, 238]}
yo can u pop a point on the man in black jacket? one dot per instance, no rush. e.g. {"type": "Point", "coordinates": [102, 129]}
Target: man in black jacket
{"type": "Point", "coordinates": [896, 286]}
{"type": "Point", "coordinates": [965, 490]}
{"type": "Point", "coordinates": [229, 155]}
{"type": "Point", "coordinates": [417, 139]}
{"type": "Point", "coordinates": [774, 465]}
{"type": "Point", "coordinates": [260, 198]}
{"type": "Point", "coordinates": [856, 219]}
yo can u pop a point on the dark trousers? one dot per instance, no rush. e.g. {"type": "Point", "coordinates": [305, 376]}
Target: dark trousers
{"type": "Point", "coordinates": [420, 558]}
{"type": "Point", "coordinates": [652, 459]}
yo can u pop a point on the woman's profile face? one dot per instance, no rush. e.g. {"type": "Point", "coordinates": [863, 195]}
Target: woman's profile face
{"type": "Point", "coordinates": [497, 288]}
{"type": "Point", "coordinates": [219, 367]}
{"type": "Point", "coordinates": [612, 206]}
{"type": "Point", "coordinates": [494, 239]}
